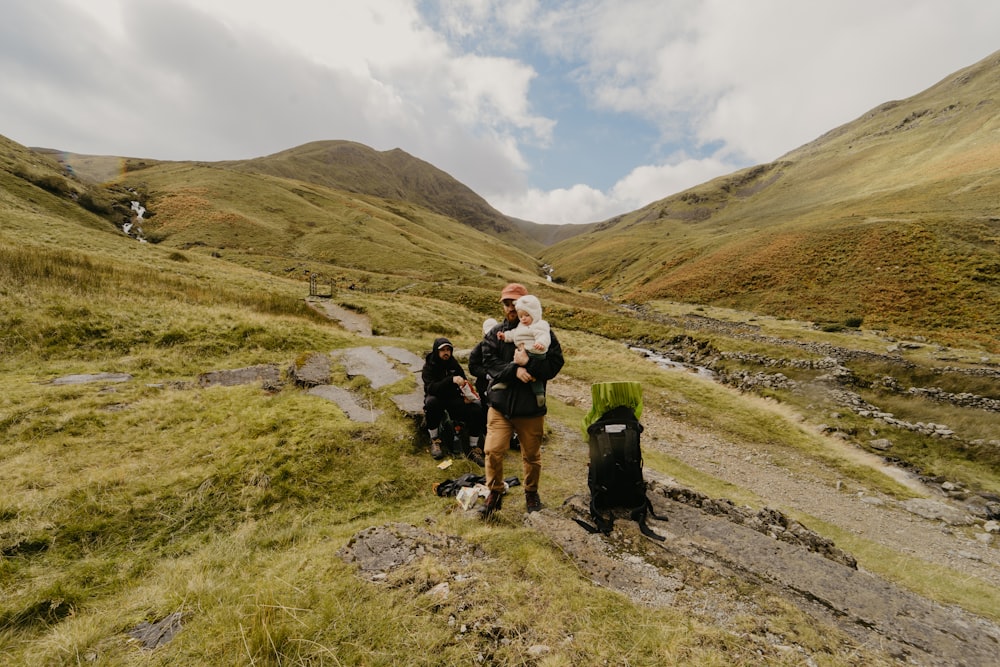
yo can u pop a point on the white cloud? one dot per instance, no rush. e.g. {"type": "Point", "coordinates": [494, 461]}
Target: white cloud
{"type": "Point", "coordinates": [494, 92]}
{"type": "Point", "coordinates": [735, 83]}
{"type": "Point", "coordinates": [582, 203]}
{"type": "Point", "coordinates": [764, 77]}
{"type": "Point", "coordinates": [725, 83]}
{"type": "Point", "coordinates": [648, 183]}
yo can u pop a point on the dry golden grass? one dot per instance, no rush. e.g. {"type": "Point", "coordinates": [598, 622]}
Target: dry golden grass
{"type": "Point", "coordinates": [128, 502]}
{"type": "Point", "coordinates": [891, 218]}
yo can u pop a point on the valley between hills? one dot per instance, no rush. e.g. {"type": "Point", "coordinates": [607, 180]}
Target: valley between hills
{"type": "Point", "coordinates": [816, 339]}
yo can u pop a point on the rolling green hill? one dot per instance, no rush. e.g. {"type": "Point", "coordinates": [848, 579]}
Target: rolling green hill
{"type": "Point", "coordinates": [392, 175]}
{"type": "Point", "coordinates": [228, 508]}
{"type": "Point", "coordinates": [893, 218]}
{"type": "Point", "coordinates": [212, 216]}
{"type": "Point", "coordinates": [281, 224]}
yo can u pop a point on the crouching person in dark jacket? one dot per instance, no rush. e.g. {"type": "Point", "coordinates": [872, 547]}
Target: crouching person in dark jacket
{"type": "Point", "coordinates": [443, 379]}
{"type": "Point", "coordinates": [515, 408]}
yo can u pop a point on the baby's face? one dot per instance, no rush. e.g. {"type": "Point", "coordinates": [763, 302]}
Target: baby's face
{"type": "Point", "coordinates": [524, 316]}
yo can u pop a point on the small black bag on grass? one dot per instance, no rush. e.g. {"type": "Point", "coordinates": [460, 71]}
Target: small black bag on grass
{"type": "Point", "coordinates": [615, 475]}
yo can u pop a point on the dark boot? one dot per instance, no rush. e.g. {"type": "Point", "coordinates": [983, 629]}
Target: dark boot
{"type": "Point", "coordinates": [493, 502]}
{"type": "Point", "coordinates": [436, 450]}
{"type": "Point", "coordinates": [476, 456]}
{"type": "Point", "coordinates": [531, 501]}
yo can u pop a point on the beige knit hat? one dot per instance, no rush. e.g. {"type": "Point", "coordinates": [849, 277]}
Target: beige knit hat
{"type": "Point", "coordinates": [531, 304]}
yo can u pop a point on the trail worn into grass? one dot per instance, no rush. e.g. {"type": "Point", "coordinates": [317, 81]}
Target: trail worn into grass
{"type": "Point", "coordinates": [871, 610]}
{"type": "Point", "coordinates": [879, 615]}
{"type": "Point", "coordinates": [350, 320]}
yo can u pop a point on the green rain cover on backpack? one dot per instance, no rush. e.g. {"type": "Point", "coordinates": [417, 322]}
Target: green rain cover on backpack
{"type": "Point", "coordinates": [606, 396]}
{"type": "Point", "coordinates": [615, 473]}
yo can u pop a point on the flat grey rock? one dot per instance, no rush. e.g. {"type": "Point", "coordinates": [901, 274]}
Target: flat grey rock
{"type": "Point", "coordinates": [154, 635]}
{"type": "Point", "coordinates": [312, 371]}
{"type": "Point", "coordinates": [346, 401]}
{"type": "Point", "coordinates": [414, 362]}
{"type": "Point", "coordinates": [367, 361]}
{"type": "Point", "coordinates": [86, 378]}
{"type": "Point", "coordinates": [937, 511]}
{"type": "Point", "coordinates": [411, 404]}
{"type": "Point", "coordinates": [268, 374]}
{"type": "Point", "coordinates": [352, 321]}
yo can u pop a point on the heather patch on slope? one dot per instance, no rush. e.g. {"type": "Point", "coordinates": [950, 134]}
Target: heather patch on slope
{"type": "Point", "coordinates": [891, 218]}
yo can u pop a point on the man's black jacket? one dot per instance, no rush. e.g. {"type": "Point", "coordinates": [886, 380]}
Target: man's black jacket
{"type": "Point", "coordinates": [517, 400]}
{"type": "Point", "coordinates": [437, 375]}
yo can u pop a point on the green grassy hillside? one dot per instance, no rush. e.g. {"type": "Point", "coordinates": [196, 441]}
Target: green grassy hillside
{"type": "Point", "coordinates": [288, 226]}
{"type": "Point", "coordinates": [892, 218]}
{"type": "Point", "coordinates": [393, 175]}
{"type": "Point", "coordinates": [125, 503]}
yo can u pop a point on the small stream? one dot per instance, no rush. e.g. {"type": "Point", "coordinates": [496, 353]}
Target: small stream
{"type": "Point", "coordinates": [669, 364]}
{"type": "Point", "coordinates": [140, 211]}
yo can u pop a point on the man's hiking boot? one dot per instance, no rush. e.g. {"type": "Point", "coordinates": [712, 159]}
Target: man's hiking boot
{"type": "Point", "coordinates": [476, 456]}
{"type": "Point", "coordinates": [493, 502]}
{"type": "Point", "coordinates": [531, 501]}
{"type": "Point", "coordinates": [436, 451]}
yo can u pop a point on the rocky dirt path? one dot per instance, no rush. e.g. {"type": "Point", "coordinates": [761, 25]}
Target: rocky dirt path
{"type": "Point", "coordinates": [805, 485]}
{"type": "Point", "coordinates": [350, 320]}
{"type": "Point", "coordinates": [872, 611]}
{"type": "Point", "coordinates": [876, 614]}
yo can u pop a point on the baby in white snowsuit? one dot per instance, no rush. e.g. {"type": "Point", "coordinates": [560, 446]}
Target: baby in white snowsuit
{"type": "Point", "coordinates": [533, 335]}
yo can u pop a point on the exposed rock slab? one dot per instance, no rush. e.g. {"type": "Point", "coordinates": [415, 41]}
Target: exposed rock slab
{"type": "Point", "coordinates": [379, 550]}
{"type": "Point", "coordinates": [937, 511]}
{"type": "Point", "coordinates": [347, 402]}
{"type": "Point", "coordinates": [86, 378]}
{"type": "Point", "coordinates": [605, 563]}
{"type": "Point", "coordinates": [312, 371]}
{"type": "Point", "coordinates": [367, 361]}
{"type": "Point", "coordinates": [352, 321]}
{"type": "Point", "coordinates": [862, 604]}
{"type": "Point", "coordinates": [412, 361]}
{"type": "Point", "coordinates": [412, 404]}
{"type": "Point", "coordinates": [153, 635]}
{"type": "Point", "coordinates": [268, 375]}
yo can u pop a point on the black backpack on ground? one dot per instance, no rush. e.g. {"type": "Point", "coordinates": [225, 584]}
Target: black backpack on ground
{"type": "Point", "coordinates": [615, 476]}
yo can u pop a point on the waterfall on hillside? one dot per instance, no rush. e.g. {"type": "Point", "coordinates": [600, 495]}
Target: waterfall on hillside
{"type": "Point", "coordinates": [139, 212]}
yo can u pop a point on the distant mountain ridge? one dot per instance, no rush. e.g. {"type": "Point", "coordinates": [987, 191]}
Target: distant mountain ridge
{"type": "Point", "coordinates": [355, 167]}
{"type": "Point", "coordinates": [893, 219]}
{"type": "Point", "coordinates": [393, 174]}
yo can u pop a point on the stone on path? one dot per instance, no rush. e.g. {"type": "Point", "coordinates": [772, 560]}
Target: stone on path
{"type": "Point", "coordinates": [85, 378]}
{"type": "Point", "coordinates": [349, 319]}
{"type": "Point", "coordinates": [369, 362]}
{"type": "Point", "coordinates": [403, 356]}
{"type": "Point", "coordinates": [314, 370]}
{"type": "Point", "coordinates": [411, 404]}
{"type": "Point", "coordinates": [268, 374]}
{"type": "Point", "coordinates": [346, 401]}
{"type": "Point", "coordinates": [937, 511]}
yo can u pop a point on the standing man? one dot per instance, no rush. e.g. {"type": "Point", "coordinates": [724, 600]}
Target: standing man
{"type": "Point", "coordinates": [514, 409]}
{"type": "Point", "coordinates": [443, 379]}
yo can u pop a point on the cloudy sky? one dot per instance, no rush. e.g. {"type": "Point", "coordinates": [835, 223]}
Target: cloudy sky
{"type": "Point", "coordinates": [554, 111]}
